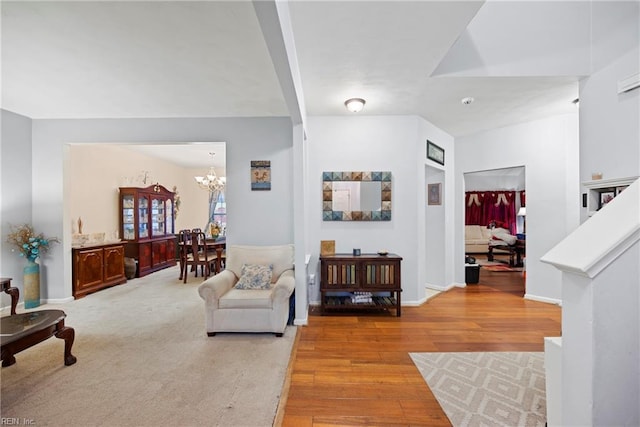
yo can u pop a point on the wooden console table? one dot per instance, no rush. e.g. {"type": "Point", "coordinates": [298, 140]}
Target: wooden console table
{"type": "Point", "coordinates": [344, 277]}
{"type": "Point", "coordinates": [95, 267]}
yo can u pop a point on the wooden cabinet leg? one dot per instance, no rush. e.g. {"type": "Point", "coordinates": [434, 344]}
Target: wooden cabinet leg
{"type": "Point", "coordinates": [8, 359]}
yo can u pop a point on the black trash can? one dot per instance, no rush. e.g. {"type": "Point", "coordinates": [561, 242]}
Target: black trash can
{"type": "Point", "coordinates": [471, 274]}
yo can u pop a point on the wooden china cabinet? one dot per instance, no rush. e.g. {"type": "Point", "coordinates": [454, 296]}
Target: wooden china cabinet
{"type": "Point", "coordinates": [147, 227]}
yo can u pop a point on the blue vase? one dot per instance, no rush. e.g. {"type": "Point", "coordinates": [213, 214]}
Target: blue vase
{"type": "Point", "coordinates": [31, 284]}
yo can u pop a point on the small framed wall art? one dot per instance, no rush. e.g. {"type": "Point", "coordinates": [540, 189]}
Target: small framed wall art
{"type": "Point", "coordinates": [620, 189]}
{"type": "Point", "coordinates": [260, 175]}
{"type": "Point", "coordinates": [434, 194]}
{"type": "Point", "coordinates": [435, 152]}
{"type": "Point", "coordinates": [606, 197]}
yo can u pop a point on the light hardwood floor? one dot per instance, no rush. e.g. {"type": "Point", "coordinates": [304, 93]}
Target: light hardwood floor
{"type": "Point", "coordinates": [356, 369]}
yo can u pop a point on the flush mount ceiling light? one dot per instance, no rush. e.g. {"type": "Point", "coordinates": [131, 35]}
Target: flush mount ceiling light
{"type": "Point", "coordinates": [354, 104]}
{"type": "Point", "coordinates": [466, 101]}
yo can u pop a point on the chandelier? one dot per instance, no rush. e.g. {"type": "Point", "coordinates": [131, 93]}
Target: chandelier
{"type": "Point", "coordinates": [211, 181]}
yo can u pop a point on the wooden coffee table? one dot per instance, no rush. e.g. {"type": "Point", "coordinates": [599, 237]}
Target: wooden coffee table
{"type": "Point", "coordinates": [517, 251]}
{"type": "Point", "coordinates": [21, 331]}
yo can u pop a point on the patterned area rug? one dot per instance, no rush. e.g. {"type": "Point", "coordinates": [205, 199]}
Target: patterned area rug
{"type": "Point", "coordinates": [487, 389]}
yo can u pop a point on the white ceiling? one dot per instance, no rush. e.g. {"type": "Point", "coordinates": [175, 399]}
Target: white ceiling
{"type": "Point", "coordinates": [188, 155]}
{"type": "Point", "coordinates": [116, 59]}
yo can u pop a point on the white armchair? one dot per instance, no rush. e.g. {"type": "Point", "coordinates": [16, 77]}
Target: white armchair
{"type": "Point", "coordinates": [229, 309]}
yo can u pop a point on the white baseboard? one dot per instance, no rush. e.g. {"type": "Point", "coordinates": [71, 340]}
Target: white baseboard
{"type": "Point", "coordinates": [543, 299]}
{"type": "Point", "coordinates": [443, 288]}
{"type": "Point", "coordinates": [414, 303]}
{"type": "Point", "coordinates": [56, 300]}
{"type": "Point", "coordinates": [42, 302]}
{"type": "Point", "coordinates": [7, 308]}
{"type": "Point", "coordinates": [304, 320]}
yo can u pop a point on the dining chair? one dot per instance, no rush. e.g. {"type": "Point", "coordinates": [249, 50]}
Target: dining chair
{"type": "Point", "coordinates": [198, 255]}
{"type": "Point", "coordinates": [184, 246]}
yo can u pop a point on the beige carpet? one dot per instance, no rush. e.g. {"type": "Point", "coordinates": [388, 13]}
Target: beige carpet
{"type": "Point", "coordinates": [144, 359]}
{"type": "Point", "coordinates": [487, 389]}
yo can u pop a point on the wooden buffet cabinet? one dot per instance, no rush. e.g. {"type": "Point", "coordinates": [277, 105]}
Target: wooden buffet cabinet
{"type": "Point", "coordinates": [96, 267]}
{"type": "Point", "coordinates": [343, 276]}
{"type": "Point", "coordinates": [147, 227]}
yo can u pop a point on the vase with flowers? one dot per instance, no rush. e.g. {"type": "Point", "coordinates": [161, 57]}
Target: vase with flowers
{"type": "Point", "coordinates": [30, 245]}
{"type": "Point", "coordinates": [215, 229]}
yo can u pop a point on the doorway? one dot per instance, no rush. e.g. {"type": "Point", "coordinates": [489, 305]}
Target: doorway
{"type": "Point", "coordinates": [118, 164]}
{"type": "Point", "coordinates": [495, 219]}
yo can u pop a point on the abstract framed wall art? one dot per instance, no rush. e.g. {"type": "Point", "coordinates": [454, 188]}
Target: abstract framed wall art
{"type": "Point", "coordinates": [260, 175]}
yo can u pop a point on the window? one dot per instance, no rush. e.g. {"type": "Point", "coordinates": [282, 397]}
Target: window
{"type": "Point", "coordinates": [218, 210]}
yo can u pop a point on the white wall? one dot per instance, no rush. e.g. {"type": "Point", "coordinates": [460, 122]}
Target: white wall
{"type": "Point", "coordinates": [254, 217]}
{"type": "Point", "coordinates": [15, 196]}
{"type": "Point", "coordinates": [545, 147]}
{"type": "Point", "coordinates": [434, 256]}
{"type": "Point", "coordinates": [372, 143]}
{"type": "Point", "coordinates": [431, 272]}
{"type": "Point", "coordinates": [610, 123]}
{"type": "Point", "coordinates": [301, 235]}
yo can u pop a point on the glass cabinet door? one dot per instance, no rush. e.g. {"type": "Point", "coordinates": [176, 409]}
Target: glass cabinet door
{"type": "Point", "coordinates": [157, 217]}
{"type": "Point", "coordinates": [169, 217]}
{"type": "Point", "coordinates": [143, 217]}
{"type": "Point", "coordinates": [128, 218]}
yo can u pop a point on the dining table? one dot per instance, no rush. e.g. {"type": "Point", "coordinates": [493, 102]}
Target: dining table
{"type": "Point", "coordinates": [217, 245]}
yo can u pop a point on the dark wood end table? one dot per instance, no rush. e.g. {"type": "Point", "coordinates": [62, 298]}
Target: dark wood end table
{"type": "Point", "coordinates": [21, 331]}
{"type": "Point", "coordinates": [5, 283]}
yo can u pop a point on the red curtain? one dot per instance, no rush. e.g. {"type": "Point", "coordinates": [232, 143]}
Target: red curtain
{"type": "Point", "coordinates": [482, 207]}
{"type": "Point", "coordinates": [474, 213]}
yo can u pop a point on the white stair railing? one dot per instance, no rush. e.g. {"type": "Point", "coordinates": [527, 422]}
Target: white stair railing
{"type": "Point", "coordinates": [600, 346]}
